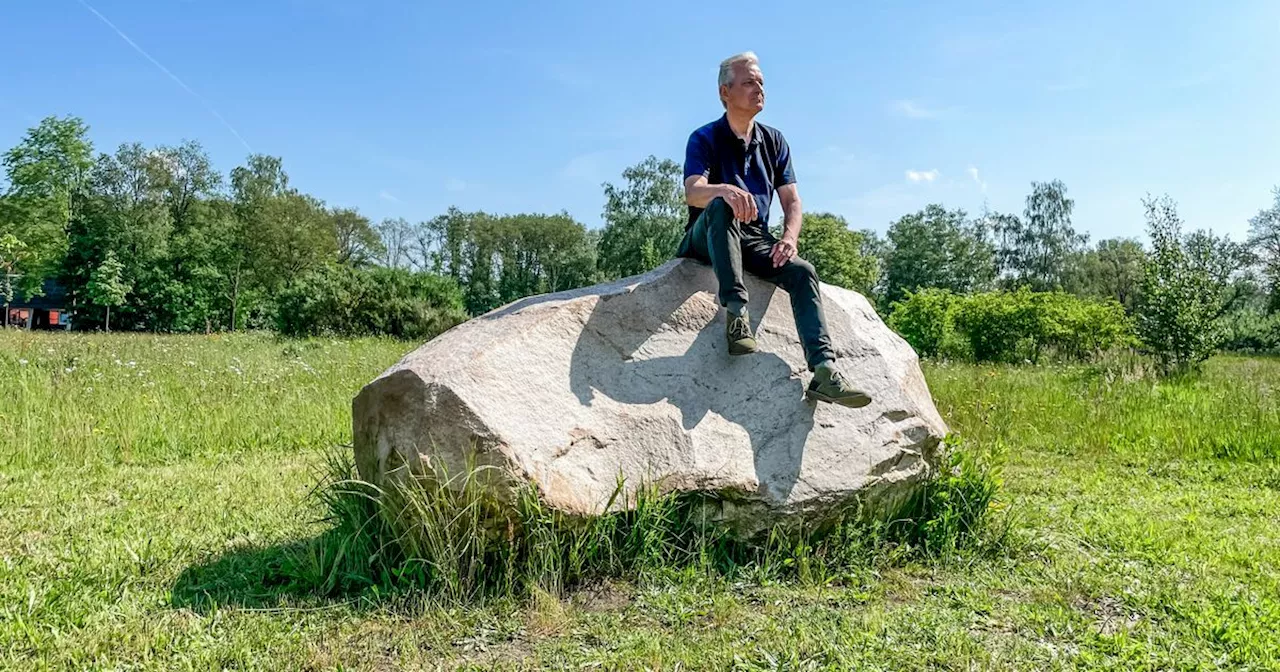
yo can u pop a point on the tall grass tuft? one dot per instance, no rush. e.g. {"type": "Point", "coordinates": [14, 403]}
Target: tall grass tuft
{"type": "Point", "coordinates": [450, 536]}
{"type": "Point", "coordinates": [957, 509]}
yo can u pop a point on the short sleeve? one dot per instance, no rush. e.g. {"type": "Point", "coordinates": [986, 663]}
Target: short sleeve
{"type": "Point", "coordinates": [697, 157]}
{"type": "Point", "coordinates": [783, 172]}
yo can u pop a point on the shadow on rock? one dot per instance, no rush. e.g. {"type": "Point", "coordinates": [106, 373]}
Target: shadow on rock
{"type": "Point", "coordinates": [665, 344]}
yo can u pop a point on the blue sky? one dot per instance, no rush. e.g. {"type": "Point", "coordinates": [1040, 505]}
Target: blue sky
{"type": "Point", "coordinates": [405, 108]}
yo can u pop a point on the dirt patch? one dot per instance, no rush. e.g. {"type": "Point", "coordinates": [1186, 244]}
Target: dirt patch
{"type": "Point", "coordinates": [605, 596]}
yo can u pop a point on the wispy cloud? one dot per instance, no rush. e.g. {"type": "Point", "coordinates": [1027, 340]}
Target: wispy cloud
{"type": "Point", "coordinates": [388, 196]}
{"type": "Point", "coordinates": [922, 175]}
{"type": "Point", "coordinates": [454, 184]}
{"type": "Point", "coordinates": [913, 110]}
{"type": "Point", "coordinates": [169, 73]}
{"type": "Point", "coordinates": [972, 171]}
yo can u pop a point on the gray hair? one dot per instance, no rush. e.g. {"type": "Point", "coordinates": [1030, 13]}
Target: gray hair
{"type": "Point", "coordinates": [727, 65]}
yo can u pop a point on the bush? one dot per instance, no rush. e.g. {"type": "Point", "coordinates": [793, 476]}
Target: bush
{"type": "Point", "coordinates": [1009, 326]}
{"type": "Point", "coordinates": [378, 301]}
{"type": "Point", "coordinates": [1080, 328]}
{"type": "Point", "coordinates": [1186, 285]}
{"type": "Point", "coordinates": [1251, 331]}
{"type": "Point", "coordinates": [1001, 326]}
{"type": "Point", "coordinates": [923, 318]}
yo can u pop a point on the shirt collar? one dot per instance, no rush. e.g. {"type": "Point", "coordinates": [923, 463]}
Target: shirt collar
{"type": "Point", "coordinates": [757, 136]}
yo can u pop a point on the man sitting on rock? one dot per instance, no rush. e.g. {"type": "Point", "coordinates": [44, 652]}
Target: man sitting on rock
{"type": "Point", "coordinates": [732, 167]}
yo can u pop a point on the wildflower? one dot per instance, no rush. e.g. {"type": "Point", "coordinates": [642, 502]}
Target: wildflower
{"type": "Point", "coordinates": [22, 362]}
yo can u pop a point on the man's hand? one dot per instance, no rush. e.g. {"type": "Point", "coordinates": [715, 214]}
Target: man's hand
{"type": "Point", "coordinates": [742, 203]}
{"type": "Point", "coordinates": [783, 251]}
{"type": "Point", "coordinates": [699, 194]}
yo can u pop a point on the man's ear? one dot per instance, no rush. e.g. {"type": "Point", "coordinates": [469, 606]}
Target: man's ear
{"type": "Point", "coordinates": [724, 95]}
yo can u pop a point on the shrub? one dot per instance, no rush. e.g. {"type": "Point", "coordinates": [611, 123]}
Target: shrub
{"type": "Point", "coordinates": [1185, 289]}
{"type": "Point", "coordinates": [953, 510]}
{"type": "Point", "coordinates": [996, 323]}
{"type": "Point", "coordinates": [1078, 328]}
{"type": "Point", "coordinates": [1251, 331]}
{"type": "Point", "coordinates": [377, 301]}
{"type": "Point", "coordinates": [923, 318]}
{"type": "Point", "coordinates": [1009, 326]}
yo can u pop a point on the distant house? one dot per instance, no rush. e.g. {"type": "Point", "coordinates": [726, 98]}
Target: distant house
{"type": "Point", "coordinates": [50, 311]}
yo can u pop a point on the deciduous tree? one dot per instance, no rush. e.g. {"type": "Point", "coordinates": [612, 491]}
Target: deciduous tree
{"type": "Point", "coordinates": [939, 248]}
{"type": "Point", "coordinates": [644, 218]}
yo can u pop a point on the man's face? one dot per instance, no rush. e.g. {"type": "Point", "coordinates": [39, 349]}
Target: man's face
{"type": "Point", "coordinates": [746, 92]}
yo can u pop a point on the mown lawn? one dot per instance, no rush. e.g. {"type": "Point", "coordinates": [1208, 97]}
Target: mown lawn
{"type": "Point", "coordinates": [137, 470]}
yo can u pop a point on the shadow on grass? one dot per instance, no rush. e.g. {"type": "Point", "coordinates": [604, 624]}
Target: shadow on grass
{"type": "Point", "coordinates": [252, 577]}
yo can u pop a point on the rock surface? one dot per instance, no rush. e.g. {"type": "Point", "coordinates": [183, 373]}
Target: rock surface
{"type": "Point", "coordinates": [570, 391]}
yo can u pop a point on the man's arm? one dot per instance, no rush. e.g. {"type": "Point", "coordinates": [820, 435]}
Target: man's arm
{"type": "Point", "coordinates": [792, 217]}
{"type": "Point", "coordinates": [698, 194]}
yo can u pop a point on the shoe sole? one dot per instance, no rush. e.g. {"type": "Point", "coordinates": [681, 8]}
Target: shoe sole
{"type": "Point", "coordinates": [848, 402]}
{"type": "Point", "coordinates": [738, 350]}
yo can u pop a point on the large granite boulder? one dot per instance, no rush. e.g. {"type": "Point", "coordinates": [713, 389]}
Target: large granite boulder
{"type": "Point", "coordinates": [570, 391]}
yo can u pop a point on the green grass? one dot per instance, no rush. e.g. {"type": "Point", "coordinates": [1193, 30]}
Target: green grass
{"type": "Point", "coordinates": [91, 401]}
{"type": "Point", "coordinates": [450, 537]}
{"type": "Point", "coordinates": [146, 524]}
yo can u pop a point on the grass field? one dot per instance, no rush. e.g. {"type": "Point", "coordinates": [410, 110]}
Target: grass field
{"type": "Point", "coordinates": [136, 470]}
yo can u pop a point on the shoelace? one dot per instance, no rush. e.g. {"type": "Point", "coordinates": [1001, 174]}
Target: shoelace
{"type": "Point", "coordinates": [837, 380]}
{"type": "Point", "coordinates": [739, 328]}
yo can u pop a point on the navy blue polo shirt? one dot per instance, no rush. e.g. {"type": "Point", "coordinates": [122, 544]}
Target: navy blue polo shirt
{"type": "Point", "coordinates": [758, 167]}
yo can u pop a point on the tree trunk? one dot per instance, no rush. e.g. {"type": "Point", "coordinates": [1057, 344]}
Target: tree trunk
{"type": "Point", "coordinates": [235, 300]}
{"type": "Point", "coordinates": [108, 319]}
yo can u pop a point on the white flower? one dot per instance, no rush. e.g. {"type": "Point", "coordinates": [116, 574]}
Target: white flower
{"type": "Point", "coordinates": [22, 362]}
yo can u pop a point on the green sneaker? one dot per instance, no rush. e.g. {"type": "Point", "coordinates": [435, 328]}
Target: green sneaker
{"type": "Point", "coordinates": [828, 385]}
{"type": "Point", "coordinates": [737, 331]}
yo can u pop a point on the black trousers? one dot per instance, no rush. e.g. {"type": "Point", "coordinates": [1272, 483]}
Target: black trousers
{"type": "Point", "coordinates": [731, 248]}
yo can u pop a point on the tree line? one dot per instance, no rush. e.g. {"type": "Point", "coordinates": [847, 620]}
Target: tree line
{"type": "Point", "coordinates": [154, 238]}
